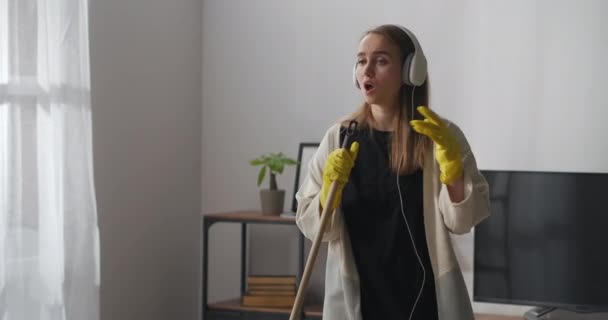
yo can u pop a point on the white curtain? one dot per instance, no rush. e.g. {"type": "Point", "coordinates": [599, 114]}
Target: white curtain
{"type": "Point", "coordinates": [49, 255]}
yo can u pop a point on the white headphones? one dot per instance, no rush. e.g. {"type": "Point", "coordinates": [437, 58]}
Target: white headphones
{"type": "Point", "coordinates": [414, 67]}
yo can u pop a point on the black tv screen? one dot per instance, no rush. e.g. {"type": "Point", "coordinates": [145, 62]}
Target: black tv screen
{"type": "Point", "coordinates": [546, 241]}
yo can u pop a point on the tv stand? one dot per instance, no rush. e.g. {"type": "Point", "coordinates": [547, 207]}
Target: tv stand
{"type": "Point", "coordinates": [538, 312]}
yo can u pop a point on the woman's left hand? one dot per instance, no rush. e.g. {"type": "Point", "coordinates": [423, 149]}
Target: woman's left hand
{"type": "Point", "coordinates": [447, 149]}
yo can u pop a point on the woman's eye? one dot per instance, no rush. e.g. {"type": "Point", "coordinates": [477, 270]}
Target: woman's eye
{"type": "Point", "coordinates": [361, 62]}
{"type": "Point", "coordinates": [382, 61]}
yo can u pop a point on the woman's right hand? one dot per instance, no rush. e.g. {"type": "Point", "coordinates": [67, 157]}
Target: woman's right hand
{"type": "Point", "coordinates": [337, 168]}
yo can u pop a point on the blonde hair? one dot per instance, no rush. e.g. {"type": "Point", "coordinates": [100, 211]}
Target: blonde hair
{"type": "Point", "coordinates": [407, 148]}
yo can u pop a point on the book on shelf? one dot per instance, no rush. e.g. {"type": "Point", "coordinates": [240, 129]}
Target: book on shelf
{"type": "Point", "coordinates": [271, 280]}
{"type": "Point", "coordinates": [268, 301]}
{"type": "Point", "coordinates": [263, 287]}
{"type": "Point", "coordinates": [272, 291]}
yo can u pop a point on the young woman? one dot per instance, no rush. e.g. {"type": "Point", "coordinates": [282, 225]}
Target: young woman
{"type": "Point", "coordinates": [407, 180]}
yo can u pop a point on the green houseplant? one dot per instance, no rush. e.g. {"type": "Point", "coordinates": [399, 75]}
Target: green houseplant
{"type": "Point", "coordinates": [273, 198]}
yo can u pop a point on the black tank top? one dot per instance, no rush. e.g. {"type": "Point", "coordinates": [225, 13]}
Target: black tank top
{"type": "Point", "coordinates": [389, 270]}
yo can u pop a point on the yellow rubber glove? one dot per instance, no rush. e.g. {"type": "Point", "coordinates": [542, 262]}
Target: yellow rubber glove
{"type": "Point", "coordinates": [337, 168]}
{"type": "Point", "coordinates": [447, 149]}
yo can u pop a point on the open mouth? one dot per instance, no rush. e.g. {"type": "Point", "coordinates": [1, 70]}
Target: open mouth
{"type": "Point", "coordinates": [369, 87]}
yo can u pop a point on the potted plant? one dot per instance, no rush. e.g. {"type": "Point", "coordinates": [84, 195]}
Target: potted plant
{"type": "Point", "coordinates": [273, 198]}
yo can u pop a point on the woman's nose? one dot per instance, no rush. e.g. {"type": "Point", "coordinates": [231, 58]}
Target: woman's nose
{"type": "Point", "coordinates": [368, 69]}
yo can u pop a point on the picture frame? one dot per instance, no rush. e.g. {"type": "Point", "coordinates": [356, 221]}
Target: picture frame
{"type": "Point", "coordinates": [306, 151]}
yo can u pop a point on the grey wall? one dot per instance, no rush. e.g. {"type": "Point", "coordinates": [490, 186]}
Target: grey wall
{"type": "Point", "coordinates": [146, 82]}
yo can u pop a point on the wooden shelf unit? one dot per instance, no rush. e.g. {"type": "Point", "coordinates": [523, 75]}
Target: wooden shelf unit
{"type": "Point", "coordinates": [233, 309]}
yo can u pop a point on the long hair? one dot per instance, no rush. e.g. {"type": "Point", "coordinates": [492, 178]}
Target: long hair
{"type": "Point", "coordinates": [407, 148]}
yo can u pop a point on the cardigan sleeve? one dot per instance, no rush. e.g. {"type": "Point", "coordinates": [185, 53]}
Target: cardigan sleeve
{"type": "Point", "coordinates": [460, 217]}
{"type": "Point", "coordinates": [308, 214]}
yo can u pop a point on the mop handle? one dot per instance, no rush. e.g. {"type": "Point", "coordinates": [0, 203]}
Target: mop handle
{"type": "Point", "coordinates": [312, 256]}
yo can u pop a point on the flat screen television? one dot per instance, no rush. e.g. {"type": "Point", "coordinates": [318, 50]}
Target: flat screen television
{"type": "Point", "coordinates": [546, 241]}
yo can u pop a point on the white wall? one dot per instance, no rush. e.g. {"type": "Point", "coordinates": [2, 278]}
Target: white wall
{"type": "Point", "coordinates": [145, 75]}
{"type": "Point", "coordinates": [523, 79]}
{"type": "Point", "coordinates": [540, 73]}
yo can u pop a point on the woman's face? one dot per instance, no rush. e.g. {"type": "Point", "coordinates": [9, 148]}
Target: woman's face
{"type": "Point", "coordinates": [378, 70]}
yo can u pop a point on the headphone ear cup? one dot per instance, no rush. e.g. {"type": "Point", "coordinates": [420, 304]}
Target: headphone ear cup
{"type": "Point", "coordinates": [415, 65]}
{"type": "Point", "coordinates": [417, 70]}
{"type": "Point", "coordinates": [407, 68]}
{"type": "Point", "coordinates": [355, 76]}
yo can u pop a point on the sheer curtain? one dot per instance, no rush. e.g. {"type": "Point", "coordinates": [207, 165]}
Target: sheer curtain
{"type": "Point", "coordinates": [49, 256]}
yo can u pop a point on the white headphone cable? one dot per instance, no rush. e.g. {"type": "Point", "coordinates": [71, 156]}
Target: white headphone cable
{"type": "Point", "coordinates": [409, 230]}
{"type": "Point", "coordinates": [412, 105]}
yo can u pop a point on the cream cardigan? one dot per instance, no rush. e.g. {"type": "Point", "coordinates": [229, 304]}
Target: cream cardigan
{"type": "Point", "coordinates": [441, 216]}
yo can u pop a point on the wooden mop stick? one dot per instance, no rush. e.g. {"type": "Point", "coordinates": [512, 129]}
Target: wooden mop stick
{"type": "Point", "coordinates": [312, 256]}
